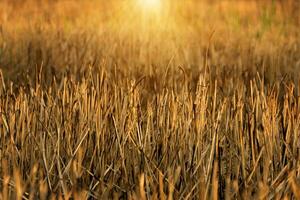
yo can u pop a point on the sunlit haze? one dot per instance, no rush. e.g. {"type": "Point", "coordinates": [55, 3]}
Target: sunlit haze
{"type": "Point", "coordinates": [150, 5]}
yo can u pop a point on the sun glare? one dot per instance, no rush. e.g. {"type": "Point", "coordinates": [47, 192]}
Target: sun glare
{"type": "Point", "coordinates": [150, 5]}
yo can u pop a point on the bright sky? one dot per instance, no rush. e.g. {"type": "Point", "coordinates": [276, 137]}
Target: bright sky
{"type": "Point", "coordinates": [150, 5]}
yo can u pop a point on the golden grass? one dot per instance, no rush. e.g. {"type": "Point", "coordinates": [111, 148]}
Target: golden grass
{"type": "Point", "coordinates": [100, 100]}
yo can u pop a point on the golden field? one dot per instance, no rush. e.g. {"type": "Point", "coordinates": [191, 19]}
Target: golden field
{"type": "Point", "coordinates": [113, 99]}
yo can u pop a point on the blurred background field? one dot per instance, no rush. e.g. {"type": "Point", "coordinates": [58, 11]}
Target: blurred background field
{"type": "Point", "coordinates": [185, 100]}
{"type": "Point", "coordinates": [70, 36]}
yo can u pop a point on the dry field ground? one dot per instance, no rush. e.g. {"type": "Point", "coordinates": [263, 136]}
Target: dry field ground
{"type": "Point", "coordinates": [191, 99]}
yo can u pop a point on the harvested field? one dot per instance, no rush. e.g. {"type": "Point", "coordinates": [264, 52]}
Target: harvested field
{"type": "Point", "coordinates": [167, 100]}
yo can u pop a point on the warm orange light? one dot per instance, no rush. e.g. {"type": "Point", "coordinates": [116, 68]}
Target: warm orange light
{"type": "Point", "coordinates": [150, 5]}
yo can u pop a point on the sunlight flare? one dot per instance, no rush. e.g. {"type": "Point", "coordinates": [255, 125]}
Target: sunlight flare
{"type": "Point", "coordinates": [150, 5]}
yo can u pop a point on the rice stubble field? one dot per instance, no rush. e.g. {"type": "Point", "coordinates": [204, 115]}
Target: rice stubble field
{"type": "Point", "coordinates": [149, 99]}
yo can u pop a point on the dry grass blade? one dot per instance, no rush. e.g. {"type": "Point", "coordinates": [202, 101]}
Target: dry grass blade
{"type": "Point", "coordinates": [142, 187]}
{"type": "Point", "coordinates": [294, 185]}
